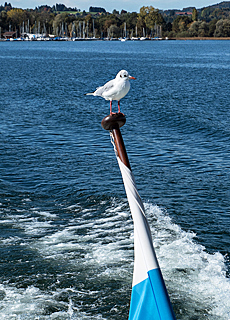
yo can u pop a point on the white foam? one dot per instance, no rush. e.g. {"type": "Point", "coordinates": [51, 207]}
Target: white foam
{"type": "Point", "coordinates": [75, 207]}
{"type": "Point", "coordinates": [32, 303]}
{"type": "Point", "coordinates": [196, 280]}
{"type": "Point", "coordinates": [35, 223]}
{"type": "Point", "coordinates": [10, 240]}
{"type": "Point", "coordinates": [46, 214]}
{"type": "Point", "coordinates": [190, 272]}
{"type": "Point", "coordinates": [26, 200]}
{"type": "Point", "coordinates": [193, 276]}
{"type": "Point", "coordinates": [102, 242]}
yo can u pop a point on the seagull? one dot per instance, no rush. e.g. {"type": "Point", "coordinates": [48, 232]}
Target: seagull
{"type": "Point", "coordinates": [114, 89]}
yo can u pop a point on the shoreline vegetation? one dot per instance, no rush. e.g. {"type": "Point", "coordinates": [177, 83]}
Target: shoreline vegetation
{"type": "Point", "coordinates": [202, 38]}
{"type": "Point", "coordinates": [99, 39]}
{"type": "Point", "coordinates": [62, 23]}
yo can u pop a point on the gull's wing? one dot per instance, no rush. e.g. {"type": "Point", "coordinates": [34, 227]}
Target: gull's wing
{"type": "Point", "coordinates": [104, 89]}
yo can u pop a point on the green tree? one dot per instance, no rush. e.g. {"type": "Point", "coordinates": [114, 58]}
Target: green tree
{"type": "Point", "coordinates": [61, 18]}
{"type": "Point", "coordinates": [199, 29]}
{"type": "Point", "coordinates": [222, 28]}
{"type": "Point", "coordinates": [140, 24]}
{"type": "Point", "coordinates": [103, 22]}
{"type": "Point", "coordinates": [111, 20]}
{"type": "Point", "coordinates": [181, 24]}
{"type": "Point", "coordinates": [206, 14]}
{"type": "Point", "coordinates": [212, 27]}
{"type": "Point", "coordinates": [131, 20]}
{"type": "Point", "coordinates": [115, 12]}
{"type": "Point", "coordinates": [193, 29]}
{"type": "Point", "coordinates": [203, 29]}
{"type": "Point", "coordinates": [3, 20]}
{"type": "Point", "coordinates": [216, 14]}
{"type": "Point", "coordinates": [114, 31]}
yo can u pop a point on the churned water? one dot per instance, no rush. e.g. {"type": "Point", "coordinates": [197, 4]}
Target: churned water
{"type": "Point", "coordinates": [66, 239]}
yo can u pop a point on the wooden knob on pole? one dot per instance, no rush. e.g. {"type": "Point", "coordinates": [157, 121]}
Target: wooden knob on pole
{"type": "Point", "coordinates": [114, 122]}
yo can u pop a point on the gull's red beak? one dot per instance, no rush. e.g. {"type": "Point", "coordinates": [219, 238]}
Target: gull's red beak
{"type": "Point", "coordinates": [130, 77]}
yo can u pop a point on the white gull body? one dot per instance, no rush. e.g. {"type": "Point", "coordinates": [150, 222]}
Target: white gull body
{"type": "Point", "coordinates": [114, 89]}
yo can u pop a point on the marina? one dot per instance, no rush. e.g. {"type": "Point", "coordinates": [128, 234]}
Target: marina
{"type": "Point", "coordinates": [38, 37]}
{"type": "Point", "coordinates": [67, 234]}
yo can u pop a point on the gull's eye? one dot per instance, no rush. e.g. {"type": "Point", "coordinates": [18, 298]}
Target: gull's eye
{"type": "Point", "coordinates": [125, 75]}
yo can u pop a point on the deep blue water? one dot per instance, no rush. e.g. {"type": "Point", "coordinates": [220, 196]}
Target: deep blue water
{"type": "Point", "coordinates": [66, 239]}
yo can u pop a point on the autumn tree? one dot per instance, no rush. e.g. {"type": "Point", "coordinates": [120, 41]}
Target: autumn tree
{"type": "Point", "coordinates": [194, 14]}
{"type": "Point", "coordinates": [16, 17]}
{"type": "Point", "coordinates": [151, 16]}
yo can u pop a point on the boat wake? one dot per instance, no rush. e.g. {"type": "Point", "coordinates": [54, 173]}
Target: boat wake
{"type": "Point", "coordinates": [196, 280]}
{"type": "Point", "coordinates": [80, 266]}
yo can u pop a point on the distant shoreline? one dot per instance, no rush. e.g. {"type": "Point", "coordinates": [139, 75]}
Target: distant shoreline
{"type": "Point", "coordinates": [98, 39]}
{"type": "Point", "coordinates": [201, 38]}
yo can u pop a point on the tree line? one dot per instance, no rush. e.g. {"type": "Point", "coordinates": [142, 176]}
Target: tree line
{"type": "Point", "coordinates": [207, 22]}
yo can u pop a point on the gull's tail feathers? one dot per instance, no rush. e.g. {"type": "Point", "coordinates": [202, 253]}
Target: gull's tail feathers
{"type": "Point", "coordinates": [89, 94]}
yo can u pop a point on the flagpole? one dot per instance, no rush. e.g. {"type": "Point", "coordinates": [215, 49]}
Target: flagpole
{"type": "Point", "coordinates": [149, 298]}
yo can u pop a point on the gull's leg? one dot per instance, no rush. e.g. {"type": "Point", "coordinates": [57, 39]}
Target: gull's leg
{"type": "Point", "coordinates": [110, 106]}
{"type": "Point", "coordinates": [119, 109]}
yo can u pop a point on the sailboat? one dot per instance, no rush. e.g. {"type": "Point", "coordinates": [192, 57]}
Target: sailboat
{"type": "Point", "coordinates": [143, 37]}
{"type": "Point", "coordinates": [125, 34]}
{"type": "Point", "coordinates": [135, 38]}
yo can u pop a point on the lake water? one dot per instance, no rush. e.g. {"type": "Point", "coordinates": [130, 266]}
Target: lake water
{"type": "Point", "coordinates": [66, 239]}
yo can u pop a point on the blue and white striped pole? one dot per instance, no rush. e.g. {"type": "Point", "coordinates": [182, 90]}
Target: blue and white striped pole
{"type": "Point", "coordinates": [149, 298]}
